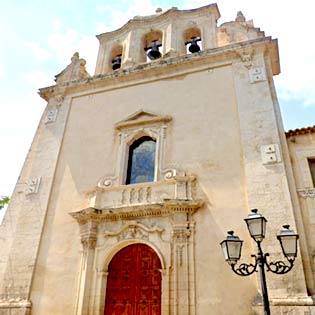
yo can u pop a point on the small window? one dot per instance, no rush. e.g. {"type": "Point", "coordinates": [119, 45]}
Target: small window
{"type": "Point", "coordinates": [311, 163]}
{"type": "Point", "coordinates": [141, 161]}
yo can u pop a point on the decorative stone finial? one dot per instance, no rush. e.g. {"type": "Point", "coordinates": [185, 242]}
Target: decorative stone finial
{"type": "Point", "coordinates": [74, 71]}
{"type": "Point", "coordinates": [240, 18]}
{"type": "Point", "coordinates": [75, 57]}
{"type": "Point", "coordinates": [158, 10]}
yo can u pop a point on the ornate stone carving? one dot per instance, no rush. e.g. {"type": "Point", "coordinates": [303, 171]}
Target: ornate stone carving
{"type": "Point", "coordinates": [51, 115]}
{"type": "Point", "coordinates": [134, 230]}
{"type": "Point", "coordinates": [246, 56]}
{"type": "Point", "coordinates": [115, 213]}
{"type": "Point", "coordinates": [33, 186]}
{"type": "Point", "coordinates": [257, 75]}
{"type": "Point", "coordinates": [170, 173]}
{"type": "Point", "coordinates": [270, 154]}
{"type": "Point", "coordinates": [59, 99]}
{"type": "Point", "coordinates": [240, 18]}
{"type": "Point", "coordinates": [107, 182]}
{"type": "Point", "coordinates": [74, 71]}
{"type": "Point", "coordinates": [88, 233]}
{"type": "Point", "coordinates": [307, 192]}
{"type": "Point", "coordinates": [181, 233]}
{"type": "Point", "coordinates": [14, 297]}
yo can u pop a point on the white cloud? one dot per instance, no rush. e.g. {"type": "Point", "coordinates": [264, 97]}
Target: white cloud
{"type": "Point", "coordinates": [65, 43]}
{"type": "Point", "coordinates": [39, 52]}
{"type": "Point", "coordinates": [57, 23]}
{"type": "Point", "coordinates": [62, 42]}
{"type": "Point", "coordinates": [2, 71]}
{"type": "Point", "coordinates": [22, 113]}
{"type": "Point", "coordinates": [116, 18]}
{"type": "Point", "coordinates": [37, 79]}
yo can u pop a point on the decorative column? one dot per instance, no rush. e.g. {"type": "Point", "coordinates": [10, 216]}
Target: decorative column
{"type": "Point", "coordinates": [88, 231]}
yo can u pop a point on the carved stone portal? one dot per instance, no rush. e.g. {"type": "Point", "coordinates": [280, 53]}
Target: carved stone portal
{"type": "Point", "coordinates": [158, 214]}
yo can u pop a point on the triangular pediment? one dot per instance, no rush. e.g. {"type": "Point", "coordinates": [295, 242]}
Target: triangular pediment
{"type": "Point", "coordinates": [142, 117]}
{"type": "Point", "coordinates": [139, 115]}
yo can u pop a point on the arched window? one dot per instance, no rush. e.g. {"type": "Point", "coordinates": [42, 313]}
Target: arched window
{"type": "Point", "coordinates": [141, 161]}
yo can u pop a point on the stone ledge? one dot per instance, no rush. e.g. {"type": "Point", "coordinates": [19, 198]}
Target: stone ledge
{"type": "Point", "coordinates": [292, 301]}
{"type": "Point", "coordinates": [9, 304]}
{"type": "Point", "coordinates": [136, 211]}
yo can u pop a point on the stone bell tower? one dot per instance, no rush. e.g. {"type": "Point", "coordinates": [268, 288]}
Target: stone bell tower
{"type": "Point", "coordinates": [136, 173]}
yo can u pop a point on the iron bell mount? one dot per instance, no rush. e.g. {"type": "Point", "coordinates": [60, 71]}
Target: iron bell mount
{"type": "Point", "coordinates": [194, 47]}
{"type": "Point", "coordinates": [116, 62]}
{"type": "Point", "coordinates": [153, 49]}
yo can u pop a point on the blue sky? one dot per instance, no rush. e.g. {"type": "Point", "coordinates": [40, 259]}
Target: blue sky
{"type": "Point", "coordinates": [38, 39]}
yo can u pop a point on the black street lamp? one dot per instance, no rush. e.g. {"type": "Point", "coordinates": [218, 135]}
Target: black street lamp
{"type": "Point", "coordinates": [256, 224]}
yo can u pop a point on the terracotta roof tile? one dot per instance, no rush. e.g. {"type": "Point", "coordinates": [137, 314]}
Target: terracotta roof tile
{"type": "Point", "coordinates": [300, 131]}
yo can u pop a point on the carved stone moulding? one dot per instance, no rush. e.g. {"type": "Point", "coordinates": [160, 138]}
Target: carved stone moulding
{"type": "Point", "coordinates": [134, 229]}
{"type": "Point", "coordinates": [167, 208]}
{"type": "Point", "coordinates": [15, 306]}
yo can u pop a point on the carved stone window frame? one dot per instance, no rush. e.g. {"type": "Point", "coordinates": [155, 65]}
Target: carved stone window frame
{"type": "Point", "coordinates": [138, 125]}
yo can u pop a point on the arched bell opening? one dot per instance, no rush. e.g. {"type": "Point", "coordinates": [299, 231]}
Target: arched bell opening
{"type": "Point", "coordinates": [192, 40]}
{"type": "Point", "coordinates": [134, 281]}
{"type": "Point", "coordinates": [152, 43]}
{"type": "Point", "coordinates": [116, 57]}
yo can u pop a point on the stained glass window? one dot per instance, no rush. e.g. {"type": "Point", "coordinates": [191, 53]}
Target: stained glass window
{"type": "Point", "coordinates": [141, 161]}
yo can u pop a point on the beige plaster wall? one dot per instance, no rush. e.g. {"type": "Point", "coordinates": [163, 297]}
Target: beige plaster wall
{"type": "Point", "coordinates": [203, 139]}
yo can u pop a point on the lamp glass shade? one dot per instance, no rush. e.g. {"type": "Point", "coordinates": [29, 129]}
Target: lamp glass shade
{"type": "Point", "coordinates": [231, 248]}
{"type": "Point", "coordinates": [288, 241]}
{"type": "Point", "coordinates": [256, 225]}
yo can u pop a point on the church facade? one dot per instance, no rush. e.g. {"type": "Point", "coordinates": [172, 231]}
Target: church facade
{"type": "Point", "coordinates": [136, 173]}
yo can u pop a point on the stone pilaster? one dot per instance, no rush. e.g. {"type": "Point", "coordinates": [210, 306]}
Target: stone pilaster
{"type": "Point", "coordinates": [183, 267]}
{"type": "Point", "coordinates": [266, 181]}
{"type": "Point", "coordinates": [25, 218]}
{"type": "Point", "coordinates": [88, 231]}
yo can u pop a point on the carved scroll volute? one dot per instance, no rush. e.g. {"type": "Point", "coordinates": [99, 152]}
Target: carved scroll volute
{"type": "Point", "coordinates": [88, 233]}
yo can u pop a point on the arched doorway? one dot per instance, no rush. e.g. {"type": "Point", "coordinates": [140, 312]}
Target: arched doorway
{"type": "Point", "coordinates": [134, 282]}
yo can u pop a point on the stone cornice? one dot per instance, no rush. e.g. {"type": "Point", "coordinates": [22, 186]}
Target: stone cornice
{"type": "Point", "coordinates": [167, 208]}
{"type": "Point", "coordinates": [167, 67]}
{"type": "Point", "coordinates": [139, 21]}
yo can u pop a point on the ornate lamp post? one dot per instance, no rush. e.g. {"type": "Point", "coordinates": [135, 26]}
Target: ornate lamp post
{"type": "Point", "coordinates": [256, 224]}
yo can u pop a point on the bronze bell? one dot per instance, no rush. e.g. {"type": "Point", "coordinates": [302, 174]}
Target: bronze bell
{"type": "Point", "coordinates": [194, 47]}
{"type": "Point", "coordinates": [116, 62]}
{"type": "Point", "coordinates": [154, 52]}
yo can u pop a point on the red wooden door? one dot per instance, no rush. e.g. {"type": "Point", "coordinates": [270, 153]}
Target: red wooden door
{"type": "Point", "coordinates": [134, 282]}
